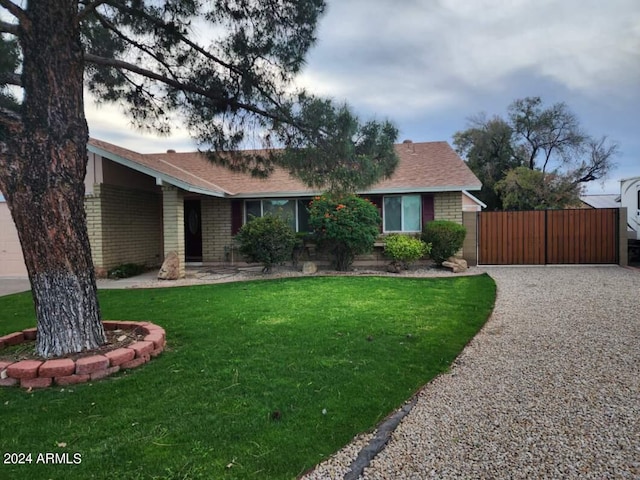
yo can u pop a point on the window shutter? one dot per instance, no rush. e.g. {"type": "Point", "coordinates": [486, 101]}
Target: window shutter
{"type": "Point", "coordinates": [236, 216]}
{"type": "Point", "coordinates": [427, 209]}
{"type": "Point", "coordinates": [377, 201]}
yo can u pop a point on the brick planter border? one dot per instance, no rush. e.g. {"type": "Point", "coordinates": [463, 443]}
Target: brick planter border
{"type": "Point", "coordinates": [65, 371]}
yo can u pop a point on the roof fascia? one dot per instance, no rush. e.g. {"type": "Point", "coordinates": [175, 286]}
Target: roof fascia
{"type": "Point", "coordinates": [399, 190]}
{"type": "Point", "coordinates": [276, 195]}
{"type": "Point", "coordinates": [385, 191]}
{"type": "Point", "coordinates": [159, 176]}
{"type": "Point", "coordinates": [477, 200]}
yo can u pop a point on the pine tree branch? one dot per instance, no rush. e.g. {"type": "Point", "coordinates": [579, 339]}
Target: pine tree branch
{"type": "Point", "coordinates": [10, 79]}
{"type": "Point", "coordinates": [14, 10]}
{"type": "Point", "coordinates": [176, 83]}
{"type": "Point", "coordinates": [218, 100]}
{"type": "Point", "coordinates": [109, 26]}
{"type": "Point", "coordinates": [88, 9]}
{"type": "Point", "coordinates": [6, 27]}
{"type": "Point", "coordinates": [183, 38]}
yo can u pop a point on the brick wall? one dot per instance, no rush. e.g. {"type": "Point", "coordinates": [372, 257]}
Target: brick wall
{"type": "Point", "coordinates": [448, 206]}
{"type": "Point", "coordinates": [470, 245]}
{"type": "Point", "coordinates": [216, 229]}
{"type": "Point", "coordinates": [93, 210]}
{"type": "Point", "coordinates": [125, 226]}
{"type": "Point", "coordinates": [173, 223]}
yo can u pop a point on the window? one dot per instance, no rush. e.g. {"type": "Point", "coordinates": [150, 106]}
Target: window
{"type": "Point", "coordinates": [294, 211]}
{"type": "Point", "coordinates": [402, 213]}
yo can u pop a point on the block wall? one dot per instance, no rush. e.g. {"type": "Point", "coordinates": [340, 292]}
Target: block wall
{"type": "Point", "coordinates": [470, 245]}
{"type": "Point", "coordinates": [125, 226]}
{"type": "Point", "coordinates": [216, 230]}
{"type": "Point", "coordinates": [173, 223]}
{"type": "Point", "coordinates": [448, 206]}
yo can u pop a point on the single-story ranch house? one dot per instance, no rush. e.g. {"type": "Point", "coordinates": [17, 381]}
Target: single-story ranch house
{"type": "Point", "coordinates": [142, 206]}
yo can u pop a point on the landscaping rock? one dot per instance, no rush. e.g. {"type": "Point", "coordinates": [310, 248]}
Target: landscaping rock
{"type": "Point", "coordinates": [456, 265]}
{"type": "Point", "coordinates": [309, 268]}
{"type": "Point", "coordinates": [57, 368]}
{"type": "Point", "coordinates": [86, 365]}
{"type": "Point", "coordinates": [101, 272]}
{"type": "Point", "coordinates": [24, 369]}
{"type": "Point", "coordinates": [394, 268]}
{"type": "Point", "coordinates": [170, 269]}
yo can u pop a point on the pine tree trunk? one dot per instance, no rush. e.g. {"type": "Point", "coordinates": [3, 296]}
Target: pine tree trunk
{"type": "Point", "coordinates": [44, 181]}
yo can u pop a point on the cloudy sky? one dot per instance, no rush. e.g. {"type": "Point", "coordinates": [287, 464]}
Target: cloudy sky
{"type": "Point", "coordinates": [429, 65]}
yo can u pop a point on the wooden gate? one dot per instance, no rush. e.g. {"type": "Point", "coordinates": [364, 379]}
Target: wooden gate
{"type": "Point", "coordinates": [548, 237]}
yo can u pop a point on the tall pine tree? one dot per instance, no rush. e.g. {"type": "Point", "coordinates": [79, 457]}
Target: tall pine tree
{"type": "Point", "coordinates": [224, 68]}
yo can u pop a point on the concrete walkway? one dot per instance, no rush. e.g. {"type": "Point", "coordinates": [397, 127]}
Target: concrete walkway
{"type": "Point", "coordinates": [11, 285]}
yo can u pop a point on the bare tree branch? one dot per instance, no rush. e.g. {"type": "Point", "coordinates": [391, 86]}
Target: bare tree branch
{"type": "Point", "coordinates": [600, 160]}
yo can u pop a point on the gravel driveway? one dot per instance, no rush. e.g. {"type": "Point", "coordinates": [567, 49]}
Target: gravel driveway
{"type": "Point", "coordinates": [550, 388]}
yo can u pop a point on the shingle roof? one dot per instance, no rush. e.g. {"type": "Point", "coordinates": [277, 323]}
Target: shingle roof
{"type": "Point", "coordinates": [423, 167]}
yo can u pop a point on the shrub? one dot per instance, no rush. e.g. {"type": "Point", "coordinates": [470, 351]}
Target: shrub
{"type": "Point", "coordinates": [344, 226]}
{"type": "Point", "coordinates": [403, 250]}
{"type": "Point", "coordinates": [126, 270]}
{"type": "Point", "coordinates": [268, 240]}
{"type": "Point", "coordinates": [445, 237]}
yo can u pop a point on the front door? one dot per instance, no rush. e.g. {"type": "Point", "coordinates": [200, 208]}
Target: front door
{"type": "Point", "coordinates": [192, 231]}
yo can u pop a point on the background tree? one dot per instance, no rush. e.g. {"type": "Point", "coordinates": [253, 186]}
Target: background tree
{"type": "Point", "coordinates": [228, 87]}
{"type": "Point", "coordinates": [526, 189]}
{"type": "Point", "coordinates": [545, 139]}
{"type": "Point", "coordinates": [490, 151]}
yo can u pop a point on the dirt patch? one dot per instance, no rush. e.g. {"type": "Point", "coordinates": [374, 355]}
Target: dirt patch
{"type": "Point", "coordinates": [115, 339]}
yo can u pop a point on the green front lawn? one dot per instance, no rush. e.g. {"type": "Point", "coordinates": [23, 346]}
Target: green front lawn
{"type": "Point", "coordinates": [259, 380]}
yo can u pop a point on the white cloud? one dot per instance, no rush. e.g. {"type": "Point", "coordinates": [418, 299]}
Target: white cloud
{"type": "Point", "coordinates": [108, 123]}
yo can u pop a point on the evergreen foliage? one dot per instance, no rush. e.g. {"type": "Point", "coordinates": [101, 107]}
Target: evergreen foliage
{"type": "Point", "coordinates": [403, 250]}
{"type": "Point", "coordinates": [445, 237]}
{"type": "Point", "coordinates": [268, 240]}
{"type": "Point", "coordinates": [344, 226]}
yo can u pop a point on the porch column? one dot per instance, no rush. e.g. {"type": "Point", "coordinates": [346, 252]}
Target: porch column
{"type": "Point", "coordinates": [173, 223]}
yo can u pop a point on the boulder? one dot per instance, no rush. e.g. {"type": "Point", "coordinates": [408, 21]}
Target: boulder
{"type": "Point", "coordinates": [461, 262]}
{"type": "Point", "coordinates": [170, 269]}
{"type": "Point", "coordinates": [309, 268]}
{"type": "Point", "coordinates": [101, 272]}
{"type": "Point", "coordinates": [394, 267]}
{"type": "Point", "coordinates": [456, 265]}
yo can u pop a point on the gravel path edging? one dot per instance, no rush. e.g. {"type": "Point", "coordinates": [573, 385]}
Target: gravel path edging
{"type": "Point", "coordinates": [379, 440]}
